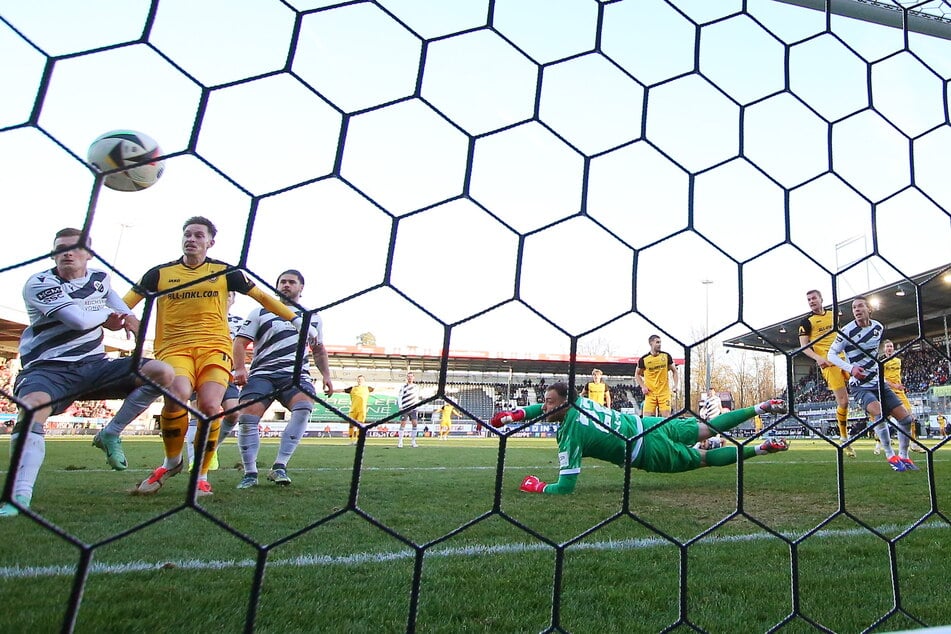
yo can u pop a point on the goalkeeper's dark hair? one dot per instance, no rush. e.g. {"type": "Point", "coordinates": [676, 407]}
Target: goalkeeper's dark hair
{"type": "Point", "coordinates": [563, 391]}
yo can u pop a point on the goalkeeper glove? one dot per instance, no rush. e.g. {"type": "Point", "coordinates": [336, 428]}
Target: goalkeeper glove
{"type": "Point", "coordinates": [502, 418]}
{"type": "Point", "coordinates": [531, 484]}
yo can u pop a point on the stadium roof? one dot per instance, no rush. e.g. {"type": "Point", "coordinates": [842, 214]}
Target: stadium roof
{"type": "Point", "coordinates": [421, 360]}
{"type": "Point", "coordinates": [899, 314]}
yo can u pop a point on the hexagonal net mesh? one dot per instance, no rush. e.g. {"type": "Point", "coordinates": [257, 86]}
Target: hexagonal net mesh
{"type": "Point", "coordinates": [537, 182]}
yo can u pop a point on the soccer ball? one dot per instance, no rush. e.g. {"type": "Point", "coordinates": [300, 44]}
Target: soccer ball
{"type": "Point", "coordinates": [127, 149]}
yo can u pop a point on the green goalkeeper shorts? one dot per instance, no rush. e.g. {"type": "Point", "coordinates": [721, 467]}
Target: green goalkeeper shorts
{"type": "Point", "coordinates": [668, 448]}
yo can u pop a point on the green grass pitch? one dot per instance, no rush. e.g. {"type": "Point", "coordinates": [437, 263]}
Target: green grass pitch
{"type": "Point", "coordinates": [800, 546]}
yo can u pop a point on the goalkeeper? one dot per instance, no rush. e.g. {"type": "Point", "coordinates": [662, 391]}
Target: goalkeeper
{"type": "Point", "coordinates": [668, 448]}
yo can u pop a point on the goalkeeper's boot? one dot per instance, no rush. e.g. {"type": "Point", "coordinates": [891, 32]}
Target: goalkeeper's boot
{"type": "Point", "coordinates": [155, 481]}
{"type": "Point", "coordinates": [111, 444]}
{"type": "Point", "coordinates": [8, 510]}
{"type": "Point", "coordinates": [774, 445]}
{"type": "Point", "coordinates": [896, 463]}
{"type": "Point", "coordinates": [204, 489]}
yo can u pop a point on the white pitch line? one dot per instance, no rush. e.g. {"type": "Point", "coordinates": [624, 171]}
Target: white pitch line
{"type": "Point", "coordinates": [306, 561]}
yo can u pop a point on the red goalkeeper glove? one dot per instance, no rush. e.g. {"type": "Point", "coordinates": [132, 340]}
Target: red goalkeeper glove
{"type": "Point", "coordinates": [502, 418]}
{"type": "Point", "coordinates": [531, 484]}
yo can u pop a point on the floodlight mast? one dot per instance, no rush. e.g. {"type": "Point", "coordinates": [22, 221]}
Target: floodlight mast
{"type": "Point", "coordinates": [886, 14]}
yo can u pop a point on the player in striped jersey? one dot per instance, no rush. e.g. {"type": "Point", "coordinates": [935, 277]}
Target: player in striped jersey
{"type": "Point", "coordinates": [272, 377]}
{"type": "Point", "coordinates": [63, 359]}
{"type": "Point", "coordinates": [409, 399]}
{"type": "Point", "coordinates": [589, 430]}
{"type": "Point", "coordinates": [858, 341]}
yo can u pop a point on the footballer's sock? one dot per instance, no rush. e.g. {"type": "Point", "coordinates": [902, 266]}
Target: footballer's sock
{"type": "Point", "coordinates": [906, 424]}
{"type": "Point", "coordinates": [34, 451]}
{"type": "Point", "coordinates": [728, 420]}
{"type": "Point", "coordinates": [227, 425]}
{"type": "Point", "coordinates": [841, 418]}
{"type": "Point", "coordinates": [294, 431]}
{"type": "Point", "coordinates": [210, 445]}
{"type": "Point", "coordinates": [132, 407]}
{"type": "Point", "coordinates": [174, 424]}
{"type": "Point", "coordinates": [190, 439]}
{"type": "Point", "coordinates": [249, 440]}
{"type": "Point", "coordinates": [881, 431]}
{"type": "Point", "coordinates": [727, 455]}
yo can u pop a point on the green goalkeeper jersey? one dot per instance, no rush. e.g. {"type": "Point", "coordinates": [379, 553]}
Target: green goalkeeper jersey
{"type": "Point", "coordinates": [579, 436]}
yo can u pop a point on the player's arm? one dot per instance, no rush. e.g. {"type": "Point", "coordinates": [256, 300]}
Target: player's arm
{"type": "Point", "coordinates": [833, 357]}
{"type": "Point", "coordinates": [639, 379]}
{"type": "Point", "coordinates": [129, 322]}
{"type": "Point", "coordinates": [513, 416]}
{"type": "Point", "coordinates": [805, 341]}
{"type": "Point", "coordinates": [672, 369]}
{"type": "Point", "coordinates": [271, 304]}
{"type": "Point", "coordinates": [132, 298]}
{"type": "Point", "coordinates": [322, 361]}
{"type": "Point", "coordinates": [239, 351]}
{"type": "Point", "coordinates": [565, 485]}
{"type": "Point", "coordinates": [75, 318]}
{"type": "Point", "coordinates": [607, 395]}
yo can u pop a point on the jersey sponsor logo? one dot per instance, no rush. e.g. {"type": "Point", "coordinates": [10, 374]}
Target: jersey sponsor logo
{"type": "Point", "coordinates": [191, 294]}
{"type": "Point", "coordinates": [562, 459]}
{"type": "Point", "coordinates": [48, 295]}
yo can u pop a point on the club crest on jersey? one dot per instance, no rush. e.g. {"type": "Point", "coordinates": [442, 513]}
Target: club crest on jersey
{"type": "Point", "coordinates": [99, 286]}
{"type": "Point", "coordinates": [48, 295]}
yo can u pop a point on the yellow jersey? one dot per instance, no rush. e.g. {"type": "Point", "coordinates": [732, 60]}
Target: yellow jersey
{"type": "Point", "coordinates": [191, 305]}
{"type": "Point", "coordinates": [892, 371]}
{"type": "Point", "coordinates": [596, 392]}
{"type": "Point", "coordinates": [655, 368]}
{"type": "Point", "coordinates": [359, 397]}
{"type": "Point", "coordinates": [817, 327]}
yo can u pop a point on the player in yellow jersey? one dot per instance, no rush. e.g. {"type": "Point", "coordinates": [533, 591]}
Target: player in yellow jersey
{"type": "Point", "coordinates": [445, 421]}
{"type": "Point", "coordinates": [892, 375]}
{"type": "Point", "coordinates": [653, 375]}
{"type": "Point", "coordinates": [816, 334]}
{"type": "Point", "coordinates": [597, 390]}
{"type": "Point", "coordinates": [192, 335]}
{"type": "Point", "coordinates": [359, 401]}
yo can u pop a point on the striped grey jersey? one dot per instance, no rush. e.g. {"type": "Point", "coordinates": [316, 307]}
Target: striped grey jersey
{"type": "Point", "coordinates": [275, 342]}
{"type": "Point", "coordinates": [860, 346]}
{"type": "Point", "coordinates": [47, 338]}
{"type": "Point", "coordinates": [409, 396]}
{"type": "Point", "coordinates": [234, 323]}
